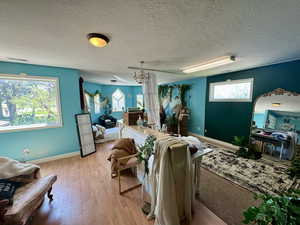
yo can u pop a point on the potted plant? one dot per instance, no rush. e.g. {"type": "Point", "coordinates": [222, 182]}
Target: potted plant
{"type": "Point", "coordinates": [283, 209]}
{"type": "Point", "coordinates": [145, 151]}
{"type": "Point", "coordinates": [246, 150]}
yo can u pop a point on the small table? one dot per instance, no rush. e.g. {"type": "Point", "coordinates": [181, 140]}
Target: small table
{"type": "Point", "coordinates": [271, 140]}
{"type": "Point", "coordinates": [196, 162]}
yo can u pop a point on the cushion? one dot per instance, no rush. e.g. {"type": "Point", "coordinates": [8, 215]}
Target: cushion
{"type": "Point", "coordinates": [130, 163]}
{"type": "Point", "coordinates": [8, 189]}
{"type": "Point", "coordinates": [28, 198]}
{"type": "Point", "coordinates": [126, 144]}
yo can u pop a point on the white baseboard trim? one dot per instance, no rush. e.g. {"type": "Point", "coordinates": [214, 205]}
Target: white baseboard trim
{"type": "Point", "coordinates": [215, 141]}
{"type": "Point", "coordinates": [56, 157]}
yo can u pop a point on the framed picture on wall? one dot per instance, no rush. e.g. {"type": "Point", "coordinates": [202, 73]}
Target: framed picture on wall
{"type": "Point", "coordinates": [85, 134]}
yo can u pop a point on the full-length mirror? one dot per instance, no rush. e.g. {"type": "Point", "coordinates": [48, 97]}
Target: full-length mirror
{"type": "Point", "coordinates": [276, 124]}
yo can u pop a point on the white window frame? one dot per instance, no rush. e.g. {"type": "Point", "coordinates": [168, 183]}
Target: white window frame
{"type": "Point", "coordinates": [36, 78]}
{"type": "Point", "coordinates": [87, 99]}
{"type": "Point", "coordinates": [137, 96]}
{"type": "Point", "coordinates": [112, 100]}
{"type": "Point", "coordinates": [97, 108]}
{"type": "Point", "coordinates": [212, 88]}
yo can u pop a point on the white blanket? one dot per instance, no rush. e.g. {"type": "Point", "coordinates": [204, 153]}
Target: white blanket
{"type": "Point", "coordinates": [163, 192]}
{"type": "Point", "coordinates": [10, 168]}
{"type": "Point", "coordinates": [193, 142]}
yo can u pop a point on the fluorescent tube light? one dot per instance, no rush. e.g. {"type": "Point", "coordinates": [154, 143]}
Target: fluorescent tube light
{"type": "Point", "coordinates": [209, 64]}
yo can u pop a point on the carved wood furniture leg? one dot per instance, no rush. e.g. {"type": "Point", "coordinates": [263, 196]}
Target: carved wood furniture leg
{"type": "Point", "coordinates": [3, 210]}
{"type": "Point", "coordinates": [49, 195]}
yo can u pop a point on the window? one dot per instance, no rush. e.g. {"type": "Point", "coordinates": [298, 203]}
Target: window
{"type": "Point", "coordinates": [97, 103]}
{"type": "Point", "coordinates": [88, 101]}
{"type": "Point", "coordinates": [140, 101]}
{"type": "Point", "coordinates": [118, 101]}
{"type": "Point", "coordinates": [29, 102]}
{"type": "Point", "coordinates": [231, 91]}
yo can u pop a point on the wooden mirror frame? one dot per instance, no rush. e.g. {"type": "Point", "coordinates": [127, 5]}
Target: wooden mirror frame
{"type": "Point", "coordinates": [277, 91]}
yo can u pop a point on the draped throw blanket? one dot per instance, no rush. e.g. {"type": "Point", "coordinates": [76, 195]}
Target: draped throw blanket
{"type": "Point", "coordinates": [150, 91]}
{"type": "Point", "coordinates": [164, 202]}
{"type": "Point", "coordinates": [123, 147]}
{"type": "Point", "coordinates": [10, 168]}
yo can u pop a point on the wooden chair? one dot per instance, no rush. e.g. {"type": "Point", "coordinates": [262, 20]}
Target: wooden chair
{"type": "Point", "coordinates": [131, 163]}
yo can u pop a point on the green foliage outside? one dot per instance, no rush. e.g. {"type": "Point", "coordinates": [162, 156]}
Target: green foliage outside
{"type": "Point", "coordinates": [25, 102]}
{"type": "Point", "coordinates": [275, 210]}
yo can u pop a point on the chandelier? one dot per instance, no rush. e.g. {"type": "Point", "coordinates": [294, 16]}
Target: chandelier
{"type": "Point", "coordinates": [141, 76]}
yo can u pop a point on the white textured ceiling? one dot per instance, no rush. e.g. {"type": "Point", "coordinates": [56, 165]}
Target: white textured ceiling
{"type": "Point", "coordinates": [167, 34]}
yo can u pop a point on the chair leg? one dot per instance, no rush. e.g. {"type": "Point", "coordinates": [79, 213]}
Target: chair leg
{"type": "Point", "coordinates": [49, 195]}
{"type": "Point", "coordinates": [3, 210]}
{"type": "Point", "coordinates": [128, 189]}
{"type": "Point", "coordinates": [119, 178]}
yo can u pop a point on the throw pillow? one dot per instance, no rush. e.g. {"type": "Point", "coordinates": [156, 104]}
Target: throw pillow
{"type": "Point", "coordinates": [8, 189]}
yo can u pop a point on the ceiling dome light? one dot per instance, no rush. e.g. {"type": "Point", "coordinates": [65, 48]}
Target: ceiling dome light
{"type": "Point", "coordinates": [98, 40]}
{"type": "Point", "coordinates": [276, 104]}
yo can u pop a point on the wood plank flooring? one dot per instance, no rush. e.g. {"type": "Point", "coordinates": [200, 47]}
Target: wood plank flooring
{"type": "Point", "coordinates": [85, 194]}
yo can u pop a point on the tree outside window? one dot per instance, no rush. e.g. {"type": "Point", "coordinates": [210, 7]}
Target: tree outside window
{"type": "Point", "coordinates": [118, 101]}
{"type": "Point", "coordinates": [28, 102]}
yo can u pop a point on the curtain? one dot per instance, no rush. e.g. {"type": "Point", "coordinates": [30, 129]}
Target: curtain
{"type": "Point", "coordinates": [150, 91]}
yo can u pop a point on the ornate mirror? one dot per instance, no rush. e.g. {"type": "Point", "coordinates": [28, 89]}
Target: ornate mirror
{"type": "Point", "coordinates": [276, 124]}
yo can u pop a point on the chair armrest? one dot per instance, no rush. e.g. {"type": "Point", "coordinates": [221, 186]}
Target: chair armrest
{"type": "Point", "coordinates": [127, 157]}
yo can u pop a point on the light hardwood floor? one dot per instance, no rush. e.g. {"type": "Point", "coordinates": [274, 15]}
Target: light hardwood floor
{"type": "Point", "coordinates": [85, 194]}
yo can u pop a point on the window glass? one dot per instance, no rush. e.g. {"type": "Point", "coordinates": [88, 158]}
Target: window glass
{"type": "Point", "coordinates": [238, 90]}
{"type": "Point", "coordinates": [97, 103]}
{"type": "Point", "coordinates": [28, 102]}
{"type": "Point", "coordinates": [88, 101]}
{"type": "Point", "coordinates": [140, 101]}
{"type": "Point", "coordinates": [118, 101]}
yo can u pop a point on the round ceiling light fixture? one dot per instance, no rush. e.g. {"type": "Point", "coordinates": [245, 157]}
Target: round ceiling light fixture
{"type": "Point", "coordinates": [98, 40]}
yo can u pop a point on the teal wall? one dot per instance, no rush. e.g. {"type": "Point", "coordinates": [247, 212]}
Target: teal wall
{"type": "Point", "coordinates": [195, 100]}
{"type": "Point", "coordinates": [51, 141]}
{"type": "Point", "coordinates": [107, 91]}
{"type": "Point", "coordinates": [223, 120]}
{"type": "Point", "coordinates": [260, 119]}
{"type": "Point", "coordinates": [196, 103]}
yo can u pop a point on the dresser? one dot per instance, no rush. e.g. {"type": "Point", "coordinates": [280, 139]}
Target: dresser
{"type": "Point", "coordinates": [130, 118]}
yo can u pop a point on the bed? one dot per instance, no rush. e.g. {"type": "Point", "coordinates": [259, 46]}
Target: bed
{"type": "Point", "coordinates": [105, 135]}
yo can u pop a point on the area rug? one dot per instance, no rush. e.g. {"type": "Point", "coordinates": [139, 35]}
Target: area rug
{"type": "Point", "coordinates": [259, 176]}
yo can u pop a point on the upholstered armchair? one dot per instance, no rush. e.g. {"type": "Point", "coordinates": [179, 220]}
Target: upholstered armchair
{"type": "Point", "coordinates": [27, 199]}
{"type": "Point", "coordinates": [107, 121]}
